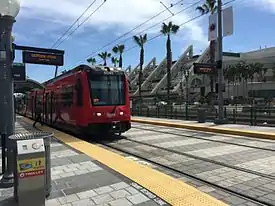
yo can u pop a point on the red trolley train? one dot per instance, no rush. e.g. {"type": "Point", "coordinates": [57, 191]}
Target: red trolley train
{"type": "Point", "coordinates": [90, 99]}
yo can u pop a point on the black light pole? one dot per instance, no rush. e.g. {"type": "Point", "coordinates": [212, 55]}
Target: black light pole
{"type": "Point", "coordinates": [186, 75]}
{"type": "Point", "coordinates": [8, 11]}
{"type": "Point", "coordinates": [56, 70]}
{"type": "Point", "coordinates": [221, 119]}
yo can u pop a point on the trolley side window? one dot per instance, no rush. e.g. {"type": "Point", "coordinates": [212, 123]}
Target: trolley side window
{"type": "Point", "coordinates": [79, 93]}
{"type": "Point", "coordinates": [67, 96]}
{"type": "Point", "coordinates": [107, 90]}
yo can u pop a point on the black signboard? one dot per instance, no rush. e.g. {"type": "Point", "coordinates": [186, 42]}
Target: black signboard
{"type": "Point", "coordinates": [19, 72]}
{"type": "Point", "coordinates": [204, 68]}
{"type": "Point", "coordinates": [43, 58]}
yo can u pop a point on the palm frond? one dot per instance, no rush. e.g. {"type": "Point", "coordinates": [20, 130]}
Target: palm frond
{"type": "Point", "coordinates": [201, 9]}
{"type": "Point", "coordinates": [137, 40]}
{"type": "Point", "coordinates": [144, 39]}
{"type": "Point", "coordinates": [101, 55]}
{"type": "Point", "coordinates": [121, 48]}
{"type": "Point", "coordinates": [164, 29]}
{"type": "Point", "coordinates": [91, 60]}
{"type": "Point", "coordinates": [170, 24]}
{"type": "Point", "coordinates": [115, 49]}
{"type": "Point", "coordinates": [211, 5]}
{"type": "Point", "coordinates": [108, 54]}
{"type": "Point", "coordinates": [206, 8]}
{"type": "Point", "coordinates": [175, 28]}
{"type": "Point", "coordinates": [114, 60]}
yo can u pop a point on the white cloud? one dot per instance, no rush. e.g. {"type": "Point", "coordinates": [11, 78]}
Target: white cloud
{"type": "Point", "coordinates": [120, 15]}
{"type": "Point", "coordinates": [266, 5]}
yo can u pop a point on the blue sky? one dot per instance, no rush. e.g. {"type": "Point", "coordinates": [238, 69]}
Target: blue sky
{"type": "Point", "coordinates": [41, 23]}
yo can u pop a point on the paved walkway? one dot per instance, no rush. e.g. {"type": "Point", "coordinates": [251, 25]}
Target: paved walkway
{"type": "Point", "coordinates": [78, 180]}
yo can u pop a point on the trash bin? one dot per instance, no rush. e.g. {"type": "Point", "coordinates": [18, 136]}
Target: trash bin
{"type": "Point", "coordinates": [46, 136]}
{"type": "Point", "coordinates": [201, 115]}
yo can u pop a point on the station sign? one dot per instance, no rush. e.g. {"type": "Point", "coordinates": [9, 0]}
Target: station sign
{"type": "Point", "coordinates": [33, 57]}
{"type": "Point", "coordinates": [19, 72]}
{"type": "Point", "coordinates": [204, 68]}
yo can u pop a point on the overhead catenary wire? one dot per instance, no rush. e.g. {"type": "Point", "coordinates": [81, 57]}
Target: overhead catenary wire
{"type": "Point", "coordinates": [131, 30]}
{"type": "Point", "coordinates": [156, 24]}
{"type": "Point", "coordinates": [85, 20]}
{"type": "Point", "coordinates": [57, 41]}
{"type": "Point", "coordinates": [152, 38]}
{"type": "Point", "coordinates": [160, 34]}
{"type": "Point", "coordinates": [150, 27]}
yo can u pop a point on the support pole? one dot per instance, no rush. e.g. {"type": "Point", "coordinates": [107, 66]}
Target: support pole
{"type": "Point", "coordinates": [56, 70]}
{"type": "Point", "coordinates": [6, 92]}
{"type": "Point", "coordinates": [221, 119]}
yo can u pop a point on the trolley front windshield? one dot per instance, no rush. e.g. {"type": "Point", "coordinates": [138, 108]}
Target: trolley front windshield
{"type": "Point", "coordinates": [107, 90]}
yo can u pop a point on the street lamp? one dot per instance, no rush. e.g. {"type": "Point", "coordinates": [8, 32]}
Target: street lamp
{"type": "Point", "coordinates": [9, 8]}
{"type": "Point", "coordinates": [8, 11]}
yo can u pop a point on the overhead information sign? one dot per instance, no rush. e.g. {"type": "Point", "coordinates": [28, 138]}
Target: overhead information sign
{"type": "Point", "coordinates": [19, 72]}
{"type": "Point", "coordinates": [43, 58]}
{"type": "Point", "coordinates": [204, 68]}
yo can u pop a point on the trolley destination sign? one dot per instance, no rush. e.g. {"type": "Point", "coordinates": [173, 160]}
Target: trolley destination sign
{"type": "Point", "coordinates": [34, 57]}
{"type": "Point", "coordinates": [204, 68]}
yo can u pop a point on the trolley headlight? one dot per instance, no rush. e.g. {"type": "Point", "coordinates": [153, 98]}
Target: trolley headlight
{"type": "Point", "coordinates": [98, 114]}
{"type": "Point", "coordinates": [121, 113]}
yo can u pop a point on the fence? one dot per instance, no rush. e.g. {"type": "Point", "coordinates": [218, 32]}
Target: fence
{"type": "Point", "coordinates": [254, 116]}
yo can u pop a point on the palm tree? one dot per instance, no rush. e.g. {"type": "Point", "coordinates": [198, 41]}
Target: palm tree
{"type": "Point", "coordinates": [140, 41]}
{"type": "Point", "coordinates": [91, 60]}
{"type": "Point", "coordinates": [210, 6]}
{"type": "Point", "coordinates": [119, 49]}
{"type": "Point", "coordinates": [260, 70]}
{"type": "Point", "coordinates": [252, 70]}
{"type": "Point", "coordinates": [229, 77]}
{"type": "Point", "coordinates": [114, 61]}
{"type": "Point", "coordinates": [168, 29]}
{"type": "Point", "coordinates": [104, 56]}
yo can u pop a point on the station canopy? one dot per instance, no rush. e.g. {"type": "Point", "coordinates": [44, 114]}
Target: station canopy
{"type": "Point", "coordinates": [25, 86]}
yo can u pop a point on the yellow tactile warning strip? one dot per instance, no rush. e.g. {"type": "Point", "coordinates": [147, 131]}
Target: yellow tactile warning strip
{"type": "Point", "coordinates": [173, 191]}
{"type": "Point", "coordinates": [207, 128]}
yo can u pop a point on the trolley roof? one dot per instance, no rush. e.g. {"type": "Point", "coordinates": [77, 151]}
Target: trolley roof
{"type": "Point", "coordinates": [94, 69]}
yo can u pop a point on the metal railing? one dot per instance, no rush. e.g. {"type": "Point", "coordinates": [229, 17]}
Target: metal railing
{"type": "Point", "coordinates": [252, 115]}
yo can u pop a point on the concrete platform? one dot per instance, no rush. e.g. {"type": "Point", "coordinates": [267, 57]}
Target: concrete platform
{"type": "Point", "coordinates": [143, 185]}
{"type": "Point", "coordinates": [232, 129]}
{"type": "Point", "coordinates": [79, 180]}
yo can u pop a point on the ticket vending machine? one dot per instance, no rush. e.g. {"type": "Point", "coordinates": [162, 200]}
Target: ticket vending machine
{"type": "Point", "coordinates": [29, 188]}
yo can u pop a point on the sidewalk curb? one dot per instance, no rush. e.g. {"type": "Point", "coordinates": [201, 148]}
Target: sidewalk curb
{"type": "Point", "coordinates": [247, 133]}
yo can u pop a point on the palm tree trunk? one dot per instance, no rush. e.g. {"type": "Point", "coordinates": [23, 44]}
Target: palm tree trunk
{"type": "Point", "coordinates": [169, 65]}
{"type": "Point", "coordinates": [120, 60]}
{"type": "Point", "coordinates": [140, 74]}
{"type": "Point", "coordinates": [105, 62]}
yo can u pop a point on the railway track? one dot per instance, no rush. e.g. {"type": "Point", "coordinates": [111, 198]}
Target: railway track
{"type": "Point", "coordinates": [117, 147]}
{"type": "Point", "coordinates": [212, 140]}
{"type": "Point", "coordinates": [272, 177]}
